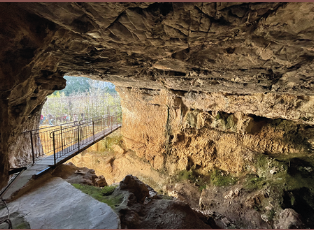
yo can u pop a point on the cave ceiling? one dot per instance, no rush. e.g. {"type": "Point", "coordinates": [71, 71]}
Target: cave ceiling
{"type": "Point", "coordinates": [209, 47]}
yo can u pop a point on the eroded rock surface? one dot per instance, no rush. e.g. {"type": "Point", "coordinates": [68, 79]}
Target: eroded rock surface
{"type": "Point", "coordinates": [77, 175]}
{"type": "Point", "coordinates": [221, 48]}
{"type": "Point", "coordinates": [204, 86]}
{"type": "Point", "coordinates": [143, 208]}
{"type": "Point", "coordinates": [57, 204]}
{"type": "Point", "coordinates": [170, 133]}
{"type": "Point", "coordinates": [289, 219]}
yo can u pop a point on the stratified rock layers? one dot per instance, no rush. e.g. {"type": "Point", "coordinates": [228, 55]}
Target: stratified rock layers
{"type": "Point", "coordinates": [178, 130]}
{"type": "Point", "coordinates": [201, 83]}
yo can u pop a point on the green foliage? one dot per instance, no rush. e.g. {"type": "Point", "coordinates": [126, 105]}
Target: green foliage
{"type": "Point", "coordinates": [193, 177]}
{"type": "Point", "coordinates": [186, 175]}
{"type": "Point", "coordinates": [230, 123]}
{"type": "Point", "coordinates": [199, 180]}
{"type": "Point", "coordinates": [203, 186]}
{"type": "Point", "coordinates": [82, 98]}
{"type": "Point", "coordinates": [75, 85]}
{"type": "Point", "coordinates": [23, 225]}
{"type": "Point", "coordinates": [221, 178]}
{"type": "Point", "coordinates": [216, 177]}
{"type": "Point", "coordinates": [97, 193]}
{"type": "Point", "coordinates": [218, 116]}
{"type": "Point", "coordinates": [225, 121]}
{"type": "Point", "coordinates": [253, 182]}
{"type": "Point", "coordinates": [108, 190]}
{"type": "Point", "coordinates": [271, 214]}
{"type": "Point", "coordinates": [110, 141]}
{"type": "Point", "coordinates": [261, 161]}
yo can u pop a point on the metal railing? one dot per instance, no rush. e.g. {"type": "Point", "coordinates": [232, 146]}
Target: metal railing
{"type": "Point", "coordinates": [65, 138]}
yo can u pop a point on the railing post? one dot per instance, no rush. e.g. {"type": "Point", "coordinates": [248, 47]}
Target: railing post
{"type": "Point", "coordinates": [33, 154]}
{"type": "Point", "coordinates": [109, 117]}
{"type": "Point", "coordinates": [54, 147]}
{"type": "Point", "coordinates": [78, 137]}
{"type": "Point", "coordinates": [93, 131]}
{"type": "Point", "coordinates": [61, 140]}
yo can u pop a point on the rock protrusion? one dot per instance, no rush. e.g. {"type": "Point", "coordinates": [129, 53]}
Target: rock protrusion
{"type": "Point", "coordinates": [289, 219]}
{"type": "Point", "coordinates": [101, 181]}
{"type": "Point", "coordinates": [142, 207]}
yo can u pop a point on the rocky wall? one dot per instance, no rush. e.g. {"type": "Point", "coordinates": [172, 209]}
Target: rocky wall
{"type": "Point", "coordinates": [176, 131]}
{"type": "Point", "coordinates": [145, 115]}
{"type": "Point", "coordinates": [253, 58]}
{"type": "Point", "coordinates": [24, 86]}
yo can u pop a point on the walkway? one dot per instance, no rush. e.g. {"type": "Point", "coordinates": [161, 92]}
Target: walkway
{"type": "Point", "coordinates": [55, 145]}
{"type": "Point", "coordinates": [69, 152]}
{"type": "Point", "coordinates": [56, 204]}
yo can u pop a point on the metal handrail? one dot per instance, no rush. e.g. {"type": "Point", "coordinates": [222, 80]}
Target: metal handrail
{"type": "Point", "coordinates": [62, 139]}
{"type": "Point", "coordinates": [16, 172]}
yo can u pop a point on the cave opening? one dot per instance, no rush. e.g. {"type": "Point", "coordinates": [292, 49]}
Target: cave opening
{"type": "Point", "coordinates": [75, 120]}
{"type": "Point", "coordinates": [217, 103]}
{"type": "Point", "coordinates": [81, 99]}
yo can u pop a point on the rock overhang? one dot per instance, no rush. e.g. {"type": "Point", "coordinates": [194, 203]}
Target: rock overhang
{"type": "Point", "coordinates": [198, 49]}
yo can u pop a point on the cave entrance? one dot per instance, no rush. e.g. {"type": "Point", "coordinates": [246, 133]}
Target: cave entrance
{"type": "Point", "coordinates": [75, 118]}
{"type": "Point", "coordinates": [81, 99]}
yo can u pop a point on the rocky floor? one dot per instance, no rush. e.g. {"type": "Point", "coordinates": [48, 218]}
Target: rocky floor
{"type": "Point", "coordinates": [58, 205]}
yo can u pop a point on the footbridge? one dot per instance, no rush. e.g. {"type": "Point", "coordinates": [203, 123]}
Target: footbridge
{"type": "Point", "coordinates": [53, 145]}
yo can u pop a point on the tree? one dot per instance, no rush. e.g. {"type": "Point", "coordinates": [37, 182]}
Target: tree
{"type": "Point", "coordinates": [75, 85]}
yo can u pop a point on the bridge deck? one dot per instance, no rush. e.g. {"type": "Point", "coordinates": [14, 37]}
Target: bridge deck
{"type": "Point", "coordinates": [76, 149]}
{"type": "Point", "coordinates": [43, 164]}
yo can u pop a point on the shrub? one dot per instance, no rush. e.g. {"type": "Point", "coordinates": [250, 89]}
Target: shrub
{"type": "Point", "coordinates": [108, 190]}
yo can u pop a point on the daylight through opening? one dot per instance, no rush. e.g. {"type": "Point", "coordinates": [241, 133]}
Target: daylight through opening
{"type": "Point", "coordinates": [82, 99]}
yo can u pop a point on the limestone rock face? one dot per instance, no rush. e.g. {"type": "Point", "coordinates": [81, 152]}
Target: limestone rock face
{"type": "Point", "coordinates": [251, 58]}
{"type": "Point", "coordinates": [135, 186]}
{"type": "Point", "coordinates": [289, 219]}
{"type": "Point", "coordinates": [142, 208]}
{"type": "Point", "coordinates": [174, 132]}
{"type": "Point", "coordinates": [77, 175]}
{"type": "Point", "coordinates": [101, 181]}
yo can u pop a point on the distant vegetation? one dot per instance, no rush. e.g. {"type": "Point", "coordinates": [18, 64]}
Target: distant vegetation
{"type": "Point", "coordinates": [78, 85]}
{"type": "Point", "coordinates": [82, 98]}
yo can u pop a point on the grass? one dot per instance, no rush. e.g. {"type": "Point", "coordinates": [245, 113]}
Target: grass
{"type": "Point", "coordinates": [98, 194]}
{"type": "Point", "coordinates": [23, 225]}
{"type": "Point", "coordinates": [108, 190]}
{"type": "Point", "coordinates": [186, 175]}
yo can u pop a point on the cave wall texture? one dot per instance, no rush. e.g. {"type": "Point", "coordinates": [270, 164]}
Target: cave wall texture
{"type": "Point", "coordinates": [185, 72]}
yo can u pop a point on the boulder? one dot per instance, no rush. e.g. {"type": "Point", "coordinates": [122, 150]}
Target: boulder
{"type": "Point", "coordinates": [142, 207]}
{"type": "Point", "coordinates": [118, 149]}
{"type": "Point", "coordinates": [101, 181]}
{"type": "Point", "coordinates": [76, 175]}
{"type": "Point", "coordinates": [289, 219]}
{"type": "Point", "coordinates": [133, 185]}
